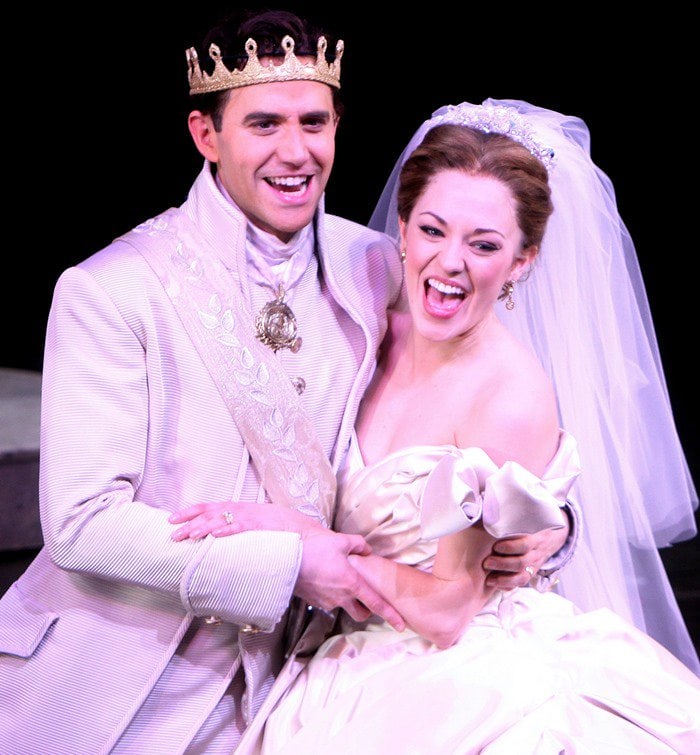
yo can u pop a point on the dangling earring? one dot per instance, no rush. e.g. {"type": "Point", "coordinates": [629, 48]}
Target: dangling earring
{"type": "Point", "coordinates": [507, 294]}
{"type": "Point", "coordinates": [403, 255]}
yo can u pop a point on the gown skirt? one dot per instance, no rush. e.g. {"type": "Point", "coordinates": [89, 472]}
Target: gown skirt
{"type": "Point", "coordinates": [530, 675]}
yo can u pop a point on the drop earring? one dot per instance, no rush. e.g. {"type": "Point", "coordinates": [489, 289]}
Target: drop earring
{"type": "Point", "coordinates": [507, 294]}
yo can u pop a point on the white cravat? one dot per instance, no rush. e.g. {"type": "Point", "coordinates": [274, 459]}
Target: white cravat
{"type": "Point", "coordinates": [275, 263]}
{"type": "Point", "coordinates": [272, 262]}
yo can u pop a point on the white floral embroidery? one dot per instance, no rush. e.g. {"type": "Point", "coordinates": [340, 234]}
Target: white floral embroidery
{"type": "Point", "coordinates": [264, 404]}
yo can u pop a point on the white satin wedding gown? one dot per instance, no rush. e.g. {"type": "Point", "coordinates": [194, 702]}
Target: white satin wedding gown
{"type": "Point", "coordinates": [530, 675]}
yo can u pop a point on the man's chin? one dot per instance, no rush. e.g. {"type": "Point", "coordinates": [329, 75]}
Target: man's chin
{"type": "Point", "coordinates": [289, 222]}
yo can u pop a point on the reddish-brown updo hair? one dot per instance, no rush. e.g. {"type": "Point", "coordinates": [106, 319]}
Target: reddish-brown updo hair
{"type": "Point", "coordinates": [453, 147]}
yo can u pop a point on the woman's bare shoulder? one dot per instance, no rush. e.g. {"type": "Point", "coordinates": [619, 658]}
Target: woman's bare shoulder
{"type": "Point", "coordinates": [516, 418]}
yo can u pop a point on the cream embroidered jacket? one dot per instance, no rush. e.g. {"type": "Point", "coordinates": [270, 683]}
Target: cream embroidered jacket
{"type": "Point", "coordinates": [134, 428]}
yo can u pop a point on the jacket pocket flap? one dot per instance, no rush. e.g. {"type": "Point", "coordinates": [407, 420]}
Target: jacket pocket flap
{"type": "Point", "coordinates": [22, 625]}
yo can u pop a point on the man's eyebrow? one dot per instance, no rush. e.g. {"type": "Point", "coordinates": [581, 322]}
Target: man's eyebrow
{"type": "Point", "coordinates": [262, 115]}
{"type": "Point", "coordinates": [317, 115]}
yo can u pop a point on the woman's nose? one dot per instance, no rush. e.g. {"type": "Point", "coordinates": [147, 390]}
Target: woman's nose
{"type": "Point", "coordinates": [451, 256]}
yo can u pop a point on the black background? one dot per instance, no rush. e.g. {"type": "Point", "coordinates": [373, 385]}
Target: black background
{"type": "Point", "coordinates": [96, 138]}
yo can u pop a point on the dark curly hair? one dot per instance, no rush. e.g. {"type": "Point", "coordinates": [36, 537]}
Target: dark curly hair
{"type": "Point", "coordinates": [267, 28]}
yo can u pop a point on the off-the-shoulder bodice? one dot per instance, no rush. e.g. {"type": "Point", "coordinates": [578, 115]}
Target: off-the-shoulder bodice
{"type": "Point", "coordinates": [405, 501]}
{"type": "Point", "coordinates": [530, 673]}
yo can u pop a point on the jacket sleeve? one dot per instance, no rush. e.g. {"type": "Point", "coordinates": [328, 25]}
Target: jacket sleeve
{"type": "Point", "coordinates": [546, 575]}
{"type": "Point", "coordinates": [97, 398]}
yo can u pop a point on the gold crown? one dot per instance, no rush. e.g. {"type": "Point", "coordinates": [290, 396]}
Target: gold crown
{"type": "Point", "coordinates": [254, 72]}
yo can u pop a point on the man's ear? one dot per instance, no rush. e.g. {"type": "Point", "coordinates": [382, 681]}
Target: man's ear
{"type": "Point", "coordinates": [203, 135]}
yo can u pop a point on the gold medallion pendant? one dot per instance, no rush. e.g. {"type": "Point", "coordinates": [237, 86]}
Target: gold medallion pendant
{"type": "Point", "coordinates": [276, 325]}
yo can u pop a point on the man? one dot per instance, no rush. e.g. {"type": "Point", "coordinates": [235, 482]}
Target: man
{"type": "Point", "coordinates": [217, 352]}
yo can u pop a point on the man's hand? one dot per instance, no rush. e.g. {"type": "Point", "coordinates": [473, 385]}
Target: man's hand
{"type": "Point", "coordinates": [514, 561]}
{"type": "Point", "coordinates": [326, 578]}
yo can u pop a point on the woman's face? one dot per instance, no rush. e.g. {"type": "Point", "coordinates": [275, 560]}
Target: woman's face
{"type": "Point", "coordinates": [462, 243]}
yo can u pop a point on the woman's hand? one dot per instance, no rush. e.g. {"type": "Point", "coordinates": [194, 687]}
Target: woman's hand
{"type": "Point", "coordinates": [228, 518]}
{"type": "Point", "coordinates": [514, 561]}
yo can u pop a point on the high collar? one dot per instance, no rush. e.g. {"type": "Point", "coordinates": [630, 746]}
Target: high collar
{"type": "Point", "coordinates": [221, 222]}
{"type": "Point", "coordinates": [275, 263]}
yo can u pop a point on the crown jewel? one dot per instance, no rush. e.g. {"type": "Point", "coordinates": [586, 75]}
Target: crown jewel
{"type": "Point", "coordinates": [497, 119]}
{"type": "Point", "coordinates": [254, 72]}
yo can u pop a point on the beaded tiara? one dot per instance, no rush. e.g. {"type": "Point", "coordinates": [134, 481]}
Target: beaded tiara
{"type": "Point", "coordinates": [254, 72]}
{"type": "Point", "coordinates": [497, 119]}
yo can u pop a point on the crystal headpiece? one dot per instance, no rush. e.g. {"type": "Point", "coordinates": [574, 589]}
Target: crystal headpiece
{"type": "Point", "coordinates": [497, 119]}
{"type": "Point", "coordinates": [254, 72]}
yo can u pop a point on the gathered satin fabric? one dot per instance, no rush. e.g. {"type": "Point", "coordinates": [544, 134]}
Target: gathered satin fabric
{"type": "Point", "coordinates": [531, 673]}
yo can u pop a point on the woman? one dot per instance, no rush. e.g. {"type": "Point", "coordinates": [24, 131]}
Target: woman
{"type": "Point", "coordinates": [585, 314]}
{"type": "Point", "coordinates": [458, 406]}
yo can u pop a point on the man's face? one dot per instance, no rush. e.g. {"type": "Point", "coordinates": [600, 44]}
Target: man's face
{"type": "Point", "coordinates": [275, 152]}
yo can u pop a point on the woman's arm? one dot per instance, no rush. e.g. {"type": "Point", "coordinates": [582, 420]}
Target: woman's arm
{"type": "Point", "coordinates": [437, 605]}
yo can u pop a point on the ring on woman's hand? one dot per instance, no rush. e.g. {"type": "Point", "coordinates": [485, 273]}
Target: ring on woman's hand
{"type": "Point", "coordinates": [529, 569]}
{"type": "Point", "coordinates": [228, 516]}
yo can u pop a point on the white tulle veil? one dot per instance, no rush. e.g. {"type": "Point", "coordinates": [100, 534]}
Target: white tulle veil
{"type": "Point", "coordinates": [584, 311]}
